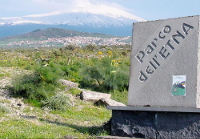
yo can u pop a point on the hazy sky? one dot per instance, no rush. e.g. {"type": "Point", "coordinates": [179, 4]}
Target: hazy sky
{"type": "Point", "coordinates": [146, 9]}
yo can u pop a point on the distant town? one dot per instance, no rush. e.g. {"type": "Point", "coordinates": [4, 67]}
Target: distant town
{"type": "Point", "coordinates": [76, 40]}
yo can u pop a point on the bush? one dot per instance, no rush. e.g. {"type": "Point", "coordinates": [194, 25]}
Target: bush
{"type": "Point", "coordinates": [40, 85]}
{"type": "Point", "coordinates": [105, 75]}
{"type": "Point", "coordinates": [58, 102]}
{"type": "Point", "coordinates": [90, 47]}
{"type": "Point", "coordinates": [49, 73]}
{"type": "Point", "coordinates": [70, 47]}
{"type": "Point", "coordinates": [106, 71]}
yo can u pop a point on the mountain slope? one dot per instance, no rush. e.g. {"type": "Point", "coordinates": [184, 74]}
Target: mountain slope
{"type": "Point", "coordinates": [54, 33]}
{"type": "Point", "coordinates": [56, 37]}
{"type": "Point", "coordinates": [84, 17]}
{"type": "Point", "coordinates": [51, 33]}
{"type": "Point", "coordinates": [12, 30]}
{"type": "Point", "coordinates": [79, 14]}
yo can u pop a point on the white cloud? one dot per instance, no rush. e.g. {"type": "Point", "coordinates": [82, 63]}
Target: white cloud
{"type": "Point", "coordinates": [51, 5]}
{"type": "Point", "coordinates": [42, 8]}
{"type": "Point", "coordinates": [57, 7]}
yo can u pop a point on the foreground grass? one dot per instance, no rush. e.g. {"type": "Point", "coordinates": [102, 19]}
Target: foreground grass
{"type": "Point", "coordinates": [82, 121]}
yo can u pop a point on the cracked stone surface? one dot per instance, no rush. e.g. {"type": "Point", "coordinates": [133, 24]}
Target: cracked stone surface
{"type": "Point", "coordinates": [141, 124]}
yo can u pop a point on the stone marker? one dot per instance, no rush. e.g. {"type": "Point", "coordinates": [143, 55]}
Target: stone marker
{"type": "Point", "coordinates": [164, 87]}
{"type": "Point", "coordinates": [165, 63]}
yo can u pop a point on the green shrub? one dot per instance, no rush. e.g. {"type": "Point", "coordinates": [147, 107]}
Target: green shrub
{"type": "Point", "coordinates": [105, 75]}
{"type": "Point", "coordinates": [49, 73]}
{"type": "Point", "coordinates": [74, 91]}
{"type": "Point", "coordinates": [72, 71]}
{"type": "Point", "coordinates": [40, 85]}
{"type": "Point", "coordinates": [90, 47]}
{"type": "Point", "coordinates": [59, 102]}
{"type": "Point", "coordinates": [70, 47]}
{"type": "Point", "coordinates": [107, 71]}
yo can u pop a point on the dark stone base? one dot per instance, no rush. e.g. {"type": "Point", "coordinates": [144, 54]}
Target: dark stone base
{"type": "Point", "coordinates": [155, 124]}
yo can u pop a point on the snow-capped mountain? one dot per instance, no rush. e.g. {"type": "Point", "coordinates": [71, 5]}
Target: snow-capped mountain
{"type": "Point", "coordinates": [88, 17]}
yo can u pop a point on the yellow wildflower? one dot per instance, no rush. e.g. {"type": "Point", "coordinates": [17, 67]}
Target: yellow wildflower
{"type": "Point", "coordinates": [99, 53]}
{"type": "Point", "coordinates": [109, 52]}
{"type": "Point", "coordinates": [73, 80]}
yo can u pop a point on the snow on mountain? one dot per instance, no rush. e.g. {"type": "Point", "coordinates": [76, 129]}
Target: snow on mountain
{"type": "Point", "coordinates": [93, 9]}
{"type": "Point", "coordinates": [86, 14]}
{"type": "Point", "coordinates": [81, 19]}
{"type": "Point", "coordinates": [81, 16]}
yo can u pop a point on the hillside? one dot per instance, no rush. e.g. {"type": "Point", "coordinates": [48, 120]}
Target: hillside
{"type": "Point", "coordinates": [59, 37]}
{"type": "Point", "coordinates": [51, 33]}
{"type": "Point", "coordinates": [54, 33]}
{"type": "Point", "coordinates": [12, 30]}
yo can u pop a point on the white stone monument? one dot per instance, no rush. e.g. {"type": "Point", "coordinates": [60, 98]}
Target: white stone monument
{"type": "Point", "coordinates": [165, 63]}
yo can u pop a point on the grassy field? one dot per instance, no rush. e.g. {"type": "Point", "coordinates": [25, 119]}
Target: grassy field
{"type": "Point", "coordinates": [27, 74]}
{"type": "Point", "coordinates": [82, 121]}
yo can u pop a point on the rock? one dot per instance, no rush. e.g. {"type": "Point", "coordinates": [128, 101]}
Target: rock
{"type": "Point", "coordinates": [69, 137]}
{"type": "Point", "coordinates": [19, 104]}
{"type": "Point", "coordinates": [93, 96]}
{"type": "Point", "coordinates": [155, 124]}
{"type": "Point", "coordinates": [99, 99]}
{"type": "Point", "coordinates": [108, 102]}
{"type": "Point", "coordinates": [112, 137]}
{"type": "Point", "coordinates": [68, 84]}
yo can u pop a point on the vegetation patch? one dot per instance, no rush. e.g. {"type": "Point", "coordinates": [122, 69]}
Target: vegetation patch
{"type": "Point", "coordinates": [49, 110]}
{"type": "Point", "coordinates": [59, 102]}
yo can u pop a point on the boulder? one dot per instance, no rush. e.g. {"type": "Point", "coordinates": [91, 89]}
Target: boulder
{"type": "Point", "coordinates": [92, 95]}
{"type": "Point", "coordinates": [68, 84]}
{"type": "Point", "coordinates": [108, 102]}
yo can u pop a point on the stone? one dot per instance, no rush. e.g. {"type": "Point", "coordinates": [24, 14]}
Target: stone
{"type": "Point", "coordinates": [68, 84]}
{"type": "Point", "coordinates": [156, 109]}
{"type": "Point", "coordinates": [164, 86]}
{"type": "Point", "coordinates": [112, 137]}
{"type": "Point", "coordinates": [69, 137]}
{"type": "Point", "coordinates": [165, 63]}
{"type": "Point", "coordinates": [92, 95]}
{"type": "Point", "coordinates": [108, 102]}
{"type": "Point", "coordinates": [154, 124]}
